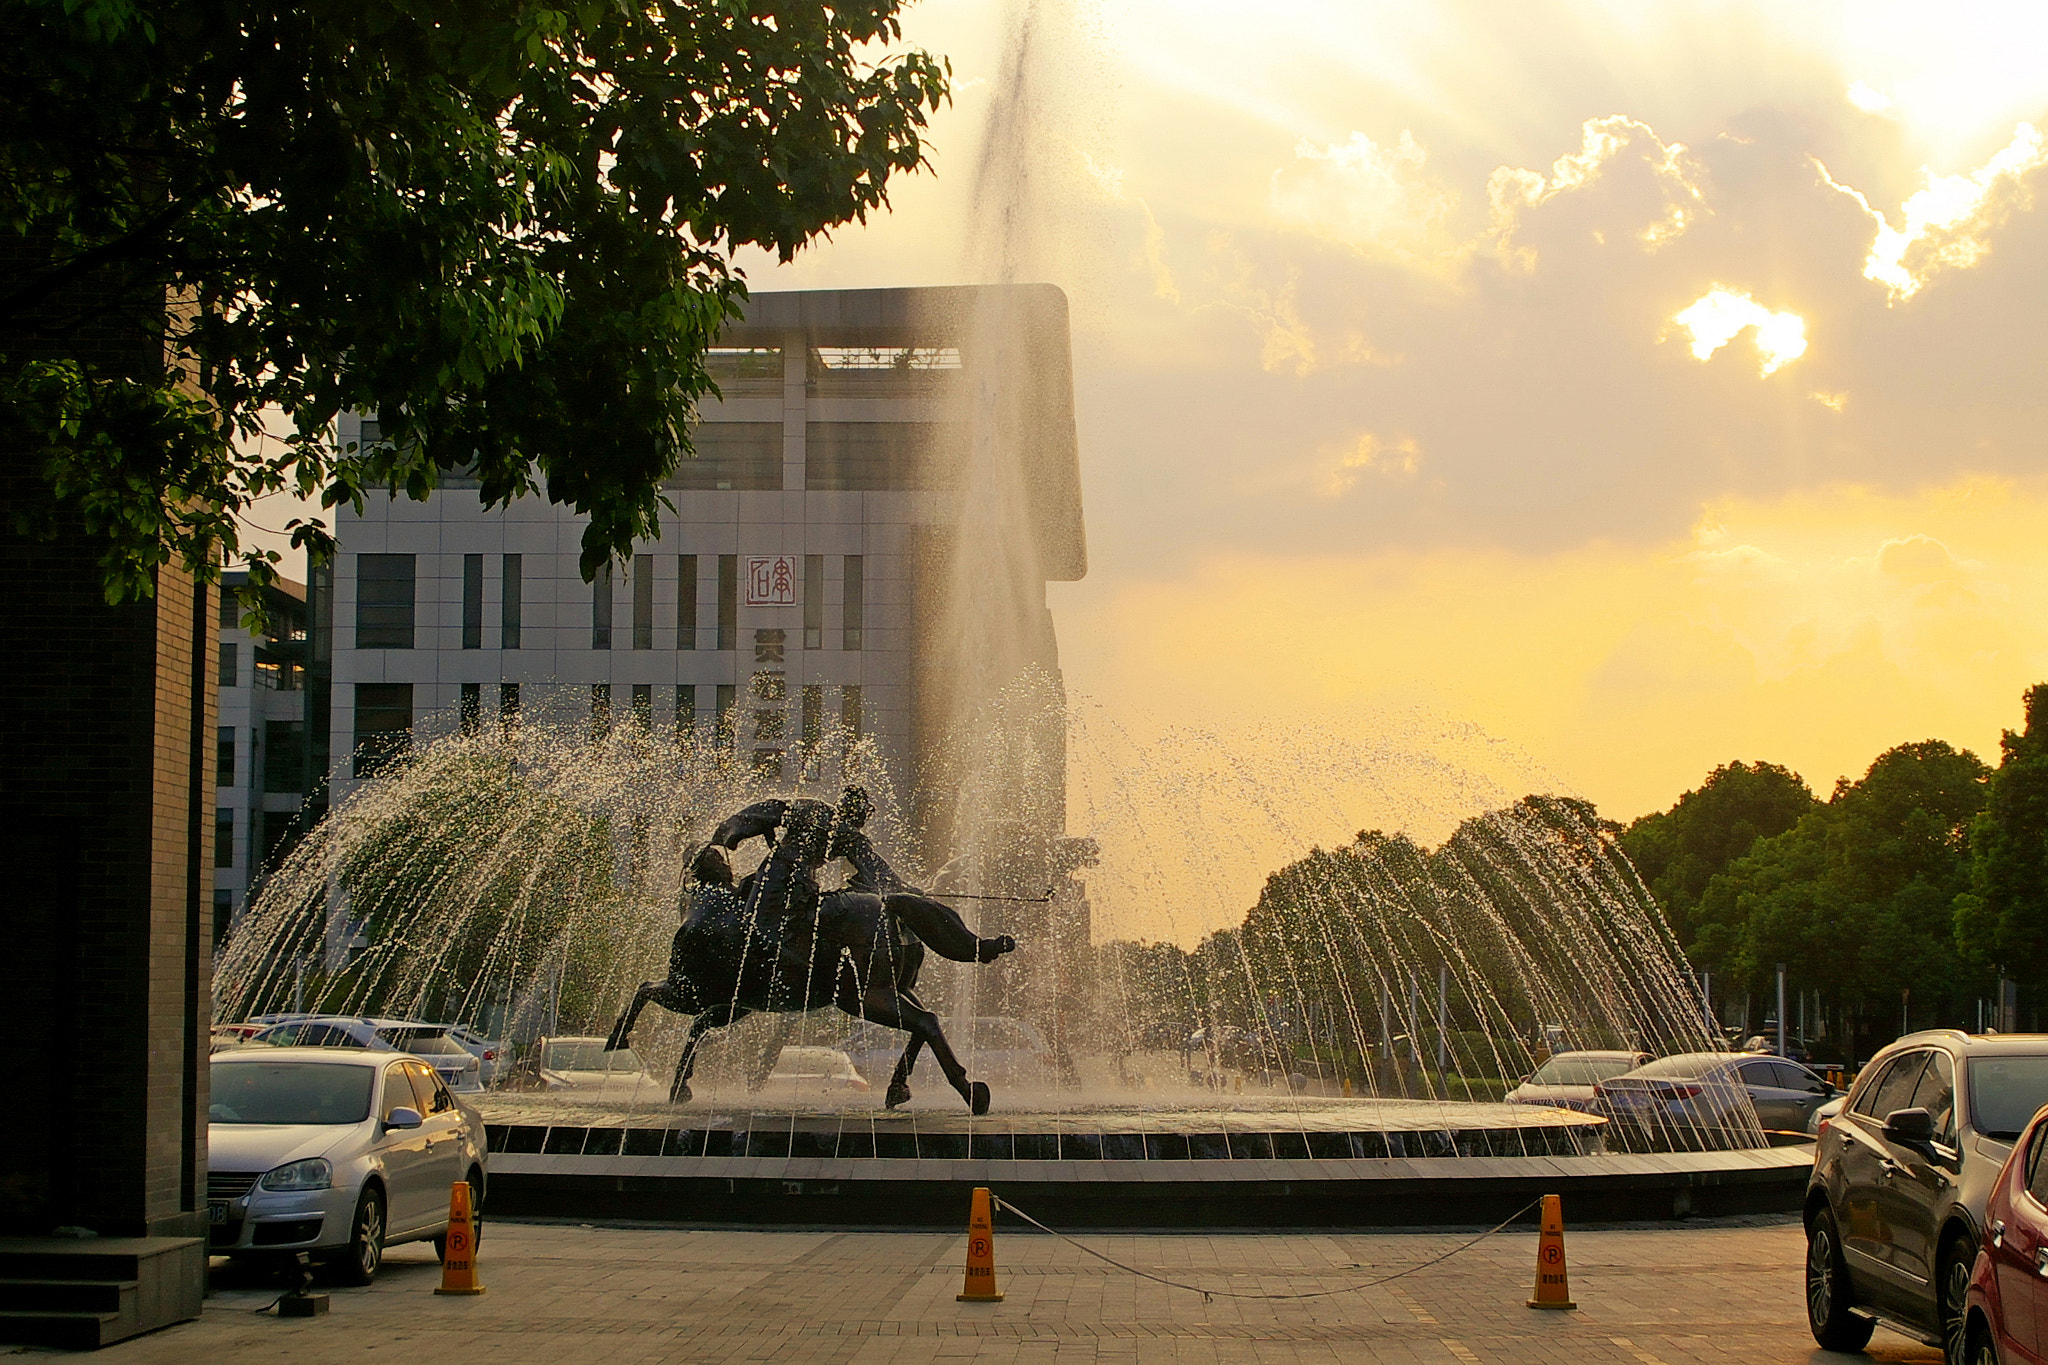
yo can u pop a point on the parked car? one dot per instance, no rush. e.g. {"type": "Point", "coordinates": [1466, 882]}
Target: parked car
{"type": "Point", "coordinates": [1895, 1209]}
{"type": "Point", "coordinates": [337, 1152]}
{"type": "Point", "coordinates": [2005, 1311]}
{"type": "Point", "coordinates": [1700, 1100]}
{"type": "Point", "coordinates": [1567, 1079]}
{"type": "Point", "coordinates": [485, 1050]}
{"type": "Point", "coordinates": [581, 1063]}
{"type": "Point", "coordinates": [429, 1042]}
{"type": "Point", "coordinates": [224, 1037]}
{"type": "Point", "coordinates": [813, 1073]}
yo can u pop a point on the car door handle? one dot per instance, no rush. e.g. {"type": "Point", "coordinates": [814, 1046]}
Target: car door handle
{"type": "Point", "coordinates": [1998, 1233]}
{"type": "Point", "coordinates": [2041, 1261]}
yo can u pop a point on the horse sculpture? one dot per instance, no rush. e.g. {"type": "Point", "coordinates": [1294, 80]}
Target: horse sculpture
{"type": "Point", "coordinates": [775, 944]}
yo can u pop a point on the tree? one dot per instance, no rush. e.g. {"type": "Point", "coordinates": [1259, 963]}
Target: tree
{"type": "Point", "coordinates": [506, 228]}
{"type": "Point", "coordinates": [1677, 852]}
{"type": "Point", "coordinates": [2002, 921]}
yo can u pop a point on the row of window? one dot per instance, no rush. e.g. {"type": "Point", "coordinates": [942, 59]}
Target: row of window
{"type": "Point", "coordinates": [384, 716]}
{"type": "Point", "coordinates": [284, 756]}
{"type": "Point", "coordinates": [277, 675]}
{"type": "Point", "coordinates": [839, 457]}
{"type": "Point", "coordinates": [386, 596]}
{"type": "Point", "coordinates": [270, 836]}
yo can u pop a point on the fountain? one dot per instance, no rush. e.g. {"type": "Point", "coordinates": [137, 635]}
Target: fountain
{"type": "Point", "coordinates": [1172, 1042]}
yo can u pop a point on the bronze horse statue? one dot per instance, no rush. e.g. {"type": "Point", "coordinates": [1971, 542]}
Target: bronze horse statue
{"type": "Point", "coordinates": [776, 944]}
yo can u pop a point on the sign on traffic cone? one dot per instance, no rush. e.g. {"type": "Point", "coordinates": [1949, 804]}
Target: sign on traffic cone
{"type": "Point", "coordinates": [981, 1251]}
{"type": "Point", "coordinates": [1553, 1289]}
{"type": "Point", "coordinates": [458, 1267]}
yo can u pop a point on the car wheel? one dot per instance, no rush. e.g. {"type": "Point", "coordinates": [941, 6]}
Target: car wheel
{"type": "Point", "coordinates": [476, 1216]}
{"type": "Point", "coordinates": [1983, 1350]}
{"type": "Point", "coordinates": [359, 1263]}
{"type": "Point", "coordinates": [1954, 1282]}
{"type": "Point", "coordinates": [1834, 1327]}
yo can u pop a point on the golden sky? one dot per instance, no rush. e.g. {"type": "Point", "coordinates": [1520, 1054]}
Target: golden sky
{"type": "Point", "coordinates": [1644, 386]}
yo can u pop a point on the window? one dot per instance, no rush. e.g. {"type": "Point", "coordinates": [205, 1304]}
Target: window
{"type": "Point", "coordinates": [398, 1092]}
{"type": "Point", "coordinates": [1936, 1093]}
{"type": "Point", "coordinates": [228, 656]}
{"type": "Point", "coordinates": [223, 838]}
{"type": "Point", "coordinates": [850, 711]}
{"type": "Point", "coordinates": [384, 601]}
{"type": "Point", "coordinates": [383, 726]}
{"type": "Point", "coordinates": [508, 707]}
{"type": "Point", "coordinates": [284, 756]}
{"type": "Point", "coordinates": [728, 601]}
{"type": "Point", "coordinates": [230, 608]}
{"type": "Point", "coordinates": [508, 609]}
{"type": "Point", "coordinates": [727, 697]}
{"type": "Point", "coordinates": [1894, 1089]}
{"type": "Point", "coordinates": [472, 708]}
{"type": "Point", "coordinates": [2037, 1169]}
{"type": "Point", "coordinates": [686, 601]}
{"type": "Point", "coordinates": [736, 455]}
{"type": "Point", "coordinates": [643, 601]}
{"type": "Point", "coordinates": [880, 456]}
{"type": "Point", "coordinates": [854, 612]}
{"type": "Point", "coordinates": [813, 712]}
{"type": "Point", "coordinates": [601, 608]}
{"type": "Point", "coordinates": [430, 1088]}
{"type": "Point", "coordinates": [472, 601]}
{"type": "Point", "coordinates": [223, 916]}
{"type": "Point", "coordinates": [600, 710]}
{"type": "Point", "coordinates": [814, 601]}
{"type": "Point", "coordinates": [643, 706]}
{"type": "Point", "coordinates": [280, 835]}
{"type": "Point", "coordinates": [686, 709]}
{"type": "Point", "coordinates": [224, 757]}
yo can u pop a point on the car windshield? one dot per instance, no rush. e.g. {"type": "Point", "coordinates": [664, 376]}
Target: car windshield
{"type": "Point", "coordinates": [586, 1054]}
{"type": "Point", "coordinates": [2005, 1092]}
{"type": "Point", "coordinates": [1580, 1070]}
{"type": "Point", "coordinates": [422, 1042]}
{"type": "Point", "coordinates": [290, 1092]}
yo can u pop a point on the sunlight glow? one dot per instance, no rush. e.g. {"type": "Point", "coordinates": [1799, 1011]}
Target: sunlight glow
{"type": "Point", "coordinates": [1721, 313]}
{"type": "Point", "coordinates": [1674, 169]}
{"type": "Point", "coordinates": [1869, 100]}
{"type": "Point", "coordinates": [1946, 223]}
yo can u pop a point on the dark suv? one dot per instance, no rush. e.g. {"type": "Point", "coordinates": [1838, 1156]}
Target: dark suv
{"type": "Point", "coordinates": [1900, 1180]}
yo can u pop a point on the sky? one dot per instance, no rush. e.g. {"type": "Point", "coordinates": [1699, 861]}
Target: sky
{"type": "Point", "coordinates": [1643, 386]}
{"type": "Point", "coordinates": [1484, 396]}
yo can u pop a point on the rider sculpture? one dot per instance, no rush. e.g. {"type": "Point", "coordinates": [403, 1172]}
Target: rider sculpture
{"type": "Point", "coordinates": [776, 943]}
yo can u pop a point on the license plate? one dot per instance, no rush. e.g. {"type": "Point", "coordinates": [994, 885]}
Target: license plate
{"type": "Point", "coordinates": [216, 1212]}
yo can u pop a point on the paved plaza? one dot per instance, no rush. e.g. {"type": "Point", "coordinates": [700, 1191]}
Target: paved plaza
{"type": "Point", "coordinates": [567, 1294]}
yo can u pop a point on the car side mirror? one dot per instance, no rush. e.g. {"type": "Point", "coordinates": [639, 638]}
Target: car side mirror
{"type": "Point", "coordinates": [1909, 1125]}
{"type": "Point", "coordinates": [403, 1117]}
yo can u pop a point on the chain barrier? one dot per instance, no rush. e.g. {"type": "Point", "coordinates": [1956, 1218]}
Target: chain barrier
{"type": "Point", "coordinates": [1003, 1205]}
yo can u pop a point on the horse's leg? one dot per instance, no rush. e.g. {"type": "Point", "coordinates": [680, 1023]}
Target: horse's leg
{"type": "Point", "coordinates": [899, 1083]}
{"type": "Point", "coordinates": [718, 1016]}
{"type": "Point", "coordinates": [940, 925]}
{"type": "Point", "coordinates": [623, 1029]}
{"type": "Point", "coordinates": [884, 1005]}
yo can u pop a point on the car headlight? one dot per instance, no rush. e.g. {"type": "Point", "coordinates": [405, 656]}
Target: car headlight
{"type": "Point", "coordinates": [314, 1173]}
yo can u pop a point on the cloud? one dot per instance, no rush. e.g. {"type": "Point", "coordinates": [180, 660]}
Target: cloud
{"type": "Point", "coordinates": [1946, 224]}
{"type": "Point", "coordinates": [1721, 314]}
{"type": "Point", "coordinates": [1869, 100]}
{"type": "Point", "coordinates": [1370, 454]}
{"type": "Point", "coordinates": [1673, 170]}
{"type": "Point", "coordinates": [1374, 199]}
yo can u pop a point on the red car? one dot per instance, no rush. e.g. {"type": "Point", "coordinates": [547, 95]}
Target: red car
{"type": "Point", "coordinates": [2006, 1307]}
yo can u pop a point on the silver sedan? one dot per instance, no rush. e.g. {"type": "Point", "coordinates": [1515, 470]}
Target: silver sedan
{"type": "Point", "coordinates": [336, 1152]}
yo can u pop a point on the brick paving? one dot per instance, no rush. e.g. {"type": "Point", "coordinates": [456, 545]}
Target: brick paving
{"type": "Point", "coordinates": [565, 1294]}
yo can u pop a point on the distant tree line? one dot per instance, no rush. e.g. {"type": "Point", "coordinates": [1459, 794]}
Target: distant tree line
{"type": "Point", "coordinates": [1902, 901]}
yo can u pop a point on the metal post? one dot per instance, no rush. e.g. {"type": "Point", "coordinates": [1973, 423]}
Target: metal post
{"type": "Point", "coordinates": [1781, 1009]}
{"type": "Point", "coordinates": [1707, 1000]}
{"type": "Point", "coordinates": [1443, 1018]}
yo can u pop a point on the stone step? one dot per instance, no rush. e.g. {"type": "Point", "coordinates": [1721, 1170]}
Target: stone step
{"type": "Point", "coordinates": [66, 1296]}
{"type": "Point", "coordinates": [69, 1331]}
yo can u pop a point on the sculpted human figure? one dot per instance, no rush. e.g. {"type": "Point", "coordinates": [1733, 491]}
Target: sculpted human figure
{"type": "Point", "coordinates": [777, 943]}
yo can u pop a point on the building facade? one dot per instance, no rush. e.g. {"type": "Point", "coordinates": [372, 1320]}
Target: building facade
{"type": "Point", "coordinates": [798, 582]}
{"type": "Point", "coordinates": [261, 761]}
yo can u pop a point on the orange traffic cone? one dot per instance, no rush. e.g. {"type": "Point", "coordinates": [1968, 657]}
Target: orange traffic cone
{"type": "Point", "coordinates": [1553, 1289]}
{"type": "Point", "coordinates": [458, 1267]}
{"type": "Point", "coordinates": [981, 1251]}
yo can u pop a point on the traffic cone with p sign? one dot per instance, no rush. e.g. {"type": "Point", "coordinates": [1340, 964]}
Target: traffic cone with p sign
{"type": "Point", "coordinates": [458, 1267]}
{"type": "Point", "coordinates": [1553, 1287]}
{"type": "Point", "coordinates": [981, 1251]}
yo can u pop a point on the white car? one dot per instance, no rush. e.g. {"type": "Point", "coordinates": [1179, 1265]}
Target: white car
{"type": "Point", "coordinates": [461, 1069]}
{"type": "Point", "coordinates": [813, 1073]}
{"type": "Point", "coordinates": [581, 1063]}
{"type": "Point", "coordinates": [336, 1152]}
{"type": "Point", "coordinates": [485, 1050]}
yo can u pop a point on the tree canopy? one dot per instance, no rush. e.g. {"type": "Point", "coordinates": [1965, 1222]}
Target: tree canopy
{"type": "Point", "coordinates": [506, 228]}
{"type": "Point", "coordinates": [2002, 921]}
{"type": "Point", "coordinates": [1677, 852]}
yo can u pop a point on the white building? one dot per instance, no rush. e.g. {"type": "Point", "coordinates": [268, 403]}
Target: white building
{"type": "Point", "coordinates": [798, 578]}
{"type": "Point", "coordinates": [260, 752]}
